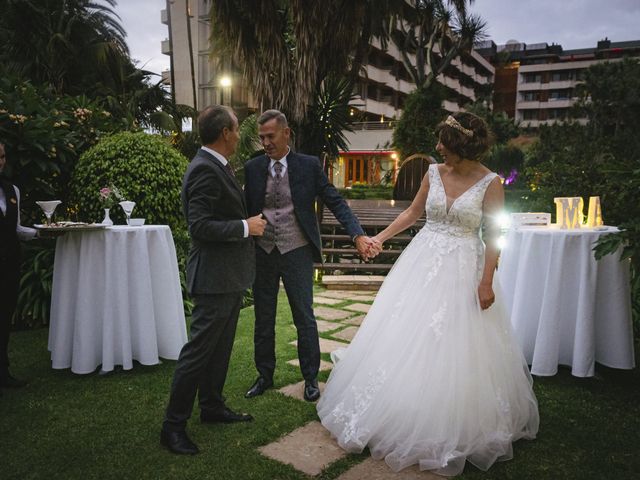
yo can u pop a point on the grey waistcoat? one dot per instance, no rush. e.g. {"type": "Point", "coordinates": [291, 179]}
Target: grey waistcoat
{"type": "Point", "coordinates": [282, 230]}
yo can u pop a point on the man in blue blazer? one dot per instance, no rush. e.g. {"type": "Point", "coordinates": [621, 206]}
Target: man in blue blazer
{"type": "Point", "coordinates": [220, 268]}
{"type": "Point", "coordinates": [283, 186]}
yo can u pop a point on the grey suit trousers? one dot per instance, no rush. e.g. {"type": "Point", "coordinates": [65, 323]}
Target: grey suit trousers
{"type": "Point", "coordinates": [204, 360]}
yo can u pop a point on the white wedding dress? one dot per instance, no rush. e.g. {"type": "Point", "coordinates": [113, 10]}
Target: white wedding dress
{"type": "Point", "coordinates": [430, 378]}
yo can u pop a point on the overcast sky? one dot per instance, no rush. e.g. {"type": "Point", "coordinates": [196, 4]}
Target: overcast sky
{"type": "Point", "coordinates": [571, 23]}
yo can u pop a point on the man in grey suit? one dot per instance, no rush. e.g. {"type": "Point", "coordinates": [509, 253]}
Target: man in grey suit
{"type": "Point", "coordinates": [283, 185]}
{"type": "Point", "coordinates": [220, 268]}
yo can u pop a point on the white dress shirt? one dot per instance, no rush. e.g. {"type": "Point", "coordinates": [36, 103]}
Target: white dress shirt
{"type": "Point", "coordinates": [24, 233]}
{"type": "Point", "coordinates": [224, 162]}
{"type": "Point", "coordinates": [283, 161]}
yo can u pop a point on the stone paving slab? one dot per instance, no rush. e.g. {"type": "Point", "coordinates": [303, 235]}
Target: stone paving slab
{"type": "Point", "coordinates": [326, 300]}
{"type": "Point", "coordinates": [353, 282]}
{"type": "Point", "coordinates": [358, 307]}
{"type": "Point", "coordinates": [324, 326]}
{"type": "Point", "coordinates": [308, 449]}
{"type": "Point", "coordinates": [357, 320]}
{"type": "Point", "coordinates": [338, 294]}
{"type": "Point", "coordinates": [296, 390]}
{"type": "Point", "coordinates": [346, 334]}
{"type": "Point", "coordinates": [326, 345]}
{"type": "Point", "coordinates": [324, 365]}
{"type": "Point", "coordinates": [378, 470]}
{"type": "Point", "coordinates": [328, 313]}
{"type": "Point", "coordinates": [363, 298]}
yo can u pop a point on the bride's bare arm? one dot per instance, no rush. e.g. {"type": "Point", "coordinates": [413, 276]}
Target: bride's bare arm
{"type": "Point", "coordinates": [492, 208]}
{"type": "Point", "coordinates": [409, 216]}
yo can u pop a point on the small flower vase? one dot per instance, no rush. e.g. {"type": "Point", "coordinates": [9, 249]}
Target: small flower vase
{"type": "Point", "coordinates": [107, 220]}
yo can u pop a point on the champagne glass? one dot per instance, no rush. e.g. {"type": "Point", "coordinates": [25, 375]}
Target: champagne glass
{"type": "Point", "coordinates": [48, 207]}
{"type": "Point", "coordinates": [128, 209]}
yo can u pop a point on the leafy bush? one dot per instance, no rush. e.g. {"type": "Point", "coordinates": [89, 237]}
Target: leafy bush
{"type": "Point", "coordinates": [34, 299]}
{"type": "Point", "coordinates": [44, 134]}
{"type": "Point", "coordinates": [145, 168]}
{"type": "Point", "coordinates": [415, 130]}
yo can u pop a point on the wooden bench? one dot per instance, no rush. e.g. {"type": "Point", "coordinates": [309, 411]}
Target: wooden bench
{"type": "Point", "coordinates": [339, 252]}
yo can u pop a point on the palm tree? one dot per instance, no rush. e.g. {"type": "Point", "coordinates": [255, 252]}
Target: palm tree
{"type": "Point", "coordinates": [435, 32]}
{"type": "Point", "coordinates": [68, 44]}
{"type": "Point", "coordinates": [286, 51]}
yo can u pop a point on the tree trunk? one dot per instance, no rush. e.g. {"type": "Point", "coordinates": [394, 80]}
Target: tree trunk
{"type": "Point", "coordinates": [191, 63]}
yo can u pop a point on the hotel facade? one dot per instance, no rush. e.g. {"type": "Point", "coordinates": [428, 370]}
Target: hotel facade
{"type": "Point", "coordinates": [535, 84]}
{"type": "Point", "coordinates": [380, 92]}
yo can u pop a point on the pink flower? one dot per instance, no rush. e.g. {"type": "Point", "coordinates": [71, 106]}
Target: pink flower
{"type": "Point", "coordinates": [105, 192]}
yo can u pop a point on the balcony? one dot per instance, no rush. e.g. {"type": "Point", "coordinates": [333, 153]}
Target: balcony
{"type": "Point", "coordinates": [165, 47]}
{"type": "Point", "coordinates": [166, 77]}
{"type": "Point", "coordinates": [164, 16]}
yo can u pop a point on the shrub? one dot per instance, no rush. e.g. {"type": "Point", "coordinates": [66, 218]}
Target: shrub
{"type": "Point", "coordinates": [415, 130]}
{"type": "Point", "coordinates": [44, 135]}
{"type": "Point", "coordinates": [34, 299]}
{"type": "Point", "coordinates": [145, 168]}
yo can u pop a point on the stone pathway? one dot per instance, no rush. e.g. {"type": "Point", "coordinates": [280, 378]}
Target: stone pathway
{"type": "Point", "coordinates": [310, 448]}
{"type": "Point", "coordinates": [372, 469]}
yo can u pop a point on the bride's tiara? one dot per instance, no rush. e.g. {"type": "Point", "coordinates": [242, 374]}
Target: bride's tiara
{"type": "Point", "coordinates": [453, 123]}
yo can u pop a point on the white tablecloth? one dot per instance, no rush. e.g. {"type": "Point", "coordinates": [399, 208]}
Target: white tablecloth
{"type": "Point", "coordinates": [567, 308]}
{"type": "Point", "coordinates": [116, 298]}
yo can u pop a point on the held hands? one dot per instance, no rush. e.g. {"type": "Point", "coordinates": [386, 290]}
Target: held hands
{"type": "Point", "coordinates": [486, 295]}
{"type": "Point", "coordinates": [256, 225]}
{"type": "Point", "coordinates": [368, 247]}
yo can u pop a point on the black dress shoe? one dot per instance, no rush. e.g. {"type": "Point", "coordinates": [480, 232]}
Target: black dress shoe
{"type": "Point", "coordinates": [259, 387]}
{"type": "Point", "coordinates": [225, 416]}
{"type": "Point", "coordinates": [9, 381]}
{"type": "Point", "coordinates": [178, 442]}
{"type": "Point", "coordinates": [311, 390]}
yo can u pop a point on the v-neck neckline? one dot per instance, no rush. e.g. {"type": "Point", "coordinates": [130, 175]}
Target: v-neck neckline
{"type": "Point", "coordinates": [447, 207]}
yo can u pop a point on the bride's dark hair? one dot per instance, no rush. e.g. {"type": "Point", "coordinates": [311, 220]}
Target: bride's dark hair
{"type": "Point", "coordinates": [466, 135]}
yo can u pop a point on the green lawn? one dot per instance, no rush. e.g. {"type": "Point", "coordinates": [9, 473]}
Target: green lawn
{"type": "Point", "coordinates": [70, 426]}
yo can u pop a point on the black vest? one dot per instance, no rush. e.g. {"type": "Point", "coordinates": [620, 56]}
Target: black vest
{"type": "Point", "coordinates": [9, 245]}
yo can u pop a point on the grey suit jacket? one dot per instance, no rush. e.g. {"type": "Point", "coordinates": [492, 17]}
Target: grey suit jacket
{"type": "Point", "coordinates": [221, 260]}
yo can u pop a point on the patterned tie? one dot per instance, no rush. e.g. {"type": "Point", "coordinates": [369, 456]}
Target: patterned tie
{"type": "Point", "coordinates": [278, 168]}
{"type": "Point", "coordinates": [229, 169]}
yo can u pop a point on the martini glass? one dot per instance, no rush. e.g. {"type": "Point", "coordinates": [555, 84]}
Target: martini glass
{"type": "Point", "coordinates": [127, 207]}
{"type": "Point", "coordinates": [48, 207]}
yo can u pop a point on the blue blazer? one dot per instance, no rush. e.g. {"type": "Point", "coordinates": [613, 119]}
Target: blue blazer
{"type": "Point", "coordinates": [307, 181]}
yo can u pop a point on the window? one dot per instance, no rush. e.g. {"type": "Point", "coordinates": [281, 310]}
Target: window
{"type": "Point", "coordinates": [530, 114]}
{"type": "Point", "coordinates": [530, 96]}
{"type": "Point", "coordinates": [563, 76]}
{"type": "Point", "coordinates": [531, 78]}
{"type": "Point", "coordinates": [559, 95]}
{"type": "Point", "coordinates": [557, 113]}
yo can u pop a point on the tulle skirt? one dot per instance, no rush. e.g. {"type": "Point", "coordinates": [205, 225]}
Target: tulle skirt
{"type": "Point", "coordinates": [430, 378]}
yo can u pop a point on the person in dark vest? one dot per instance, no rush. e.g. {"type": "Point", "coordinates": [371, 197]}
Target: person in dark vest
{"type": "Point", "coordinates": [11, 232]}
{"type": "Point", "coordinates": [220, 268]}
{"type": "Point", "coordinates": [283, 186]}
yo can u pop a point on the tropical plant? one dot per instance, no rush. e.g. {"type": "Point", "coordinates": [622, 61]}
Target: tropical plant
{"type": "Point", "coordinates": [328, 118]}
{"type": "Point", "coordinates": [430, 34]}
{"type": "Point", "coordinates": [415, 131]}
{"type": "Point", "coordinates": [78, 47]}
{"type": "Point", "coordinates": [285, 57]}
{"type": "Point", "coordinates": [69, 45]}
{"type": "Point", "coordinates": [44, 134]}
{"type": "Point", "coordinates": [34, 300]}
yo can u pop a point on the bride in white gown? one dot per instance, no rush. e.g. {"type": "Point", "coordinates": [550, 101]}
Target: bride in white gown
{"type": "Point", "coordinates": [434, 375]}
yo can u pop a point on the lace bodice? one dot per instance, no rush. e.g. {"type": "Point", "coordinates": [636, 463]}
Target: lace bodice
{"type": "Point", "coordinates": [464, 216]}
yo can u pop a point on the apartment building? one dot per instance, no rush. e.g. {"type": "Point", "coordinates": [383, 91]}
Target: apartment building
{"type": "Point", "coordinates": [535, 83]}
{"type": "Point", "coordinates": [215, 80]}
{"type": "Point", "coordinates": [380, 92]}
